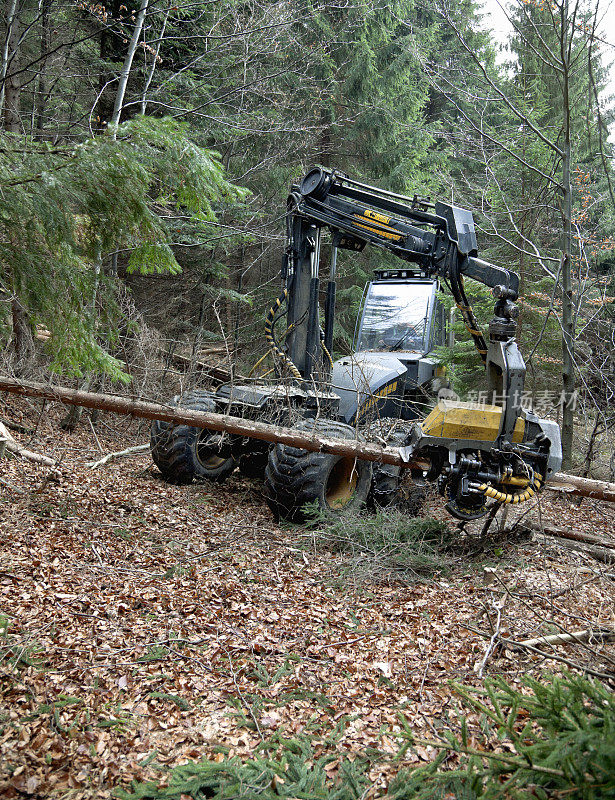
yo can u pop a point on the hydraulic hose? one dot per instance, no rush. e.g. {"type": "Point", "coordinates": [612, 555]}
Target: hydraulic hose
{"type": "Point", "coordinates": [467, 313]}
{"type": "Point", "coordinates": [270, 337]}
{"type": "Point", "coordinates": [515, 497]}
{"type": "Point", "coordinates": [327, 353]}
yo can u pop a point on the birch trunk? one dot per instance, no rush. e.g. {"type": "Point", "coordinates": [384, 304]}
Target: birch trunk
{"type": "Point", "coordinates": [126, 67]}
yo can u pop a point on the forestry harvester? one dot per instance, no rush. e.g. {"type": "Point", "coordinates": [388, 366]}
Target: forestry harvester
{"type": "Point", "coordinates": [475, 453]}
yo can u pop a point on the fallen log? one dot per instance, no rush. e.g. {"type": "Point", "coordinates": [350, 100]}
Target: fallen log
{"type": "Point", "coordinates": [215, 422]}
{"type": "Point", "coordinates": [565, 638]}
{"type": "Point", "coordinates": [604, 554]}
{"type": "Point", "coordinates": [585, 487]}
{"type": "Point", "coordinates": [566, 533]}
{"type": "Point", "coordinates": [571, 484]}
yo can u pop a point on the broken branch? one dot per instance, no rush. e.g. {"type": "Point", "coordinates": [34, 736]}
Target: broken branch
{"type": "Point", "coordinates": [566, 533]}
{"type": "Point", "coordinates": [566, 638]}
{"type": "Point", "coordinates": [118, 454]}
{"type": "Point", "coordinates": [13, 446]}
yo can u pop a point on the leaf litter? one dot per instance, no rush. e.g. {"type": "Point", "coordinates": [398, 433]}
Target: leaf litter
{"type": "Point", "coordinates": [144, 625]}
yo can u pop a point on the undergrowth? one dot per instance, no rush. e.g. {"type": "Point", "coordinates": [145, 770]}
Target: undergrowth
{"type": "Point", "coordinates": [383, 546]}
{"type": "Point", "coordinates": [548, 739]}
{"type": "Point", "coordinates": [554, 739]}
{"type": "Point", "coordinates": [292, 768]}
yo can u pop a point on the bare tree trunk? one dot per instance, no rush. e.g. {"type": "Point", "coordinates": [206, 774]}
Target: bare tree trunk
{"type": "Point", "coordinates": [155, 59]}
{"type": "Point", "coordinates": [41, 91]}
{"type": "Point", "coordinates": [126, 67]}
{"type": "Point", "coordinates": [11, 10]}
{"type": "Point", "coordinates": [11, 85]}
{"type": "Point", "coordinates": [22, 331]}
{"type": "Point", "coordinates": [522, 226]}
{"type": "Point", "coordinates": [568, 377]}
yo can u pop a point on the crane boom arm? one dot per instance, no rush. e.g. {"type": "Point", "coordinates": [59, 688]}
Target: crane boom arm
{"type": "Point", "coordinates": [435, 240]}
{"type": "Point", "coordinates": [440, 238]}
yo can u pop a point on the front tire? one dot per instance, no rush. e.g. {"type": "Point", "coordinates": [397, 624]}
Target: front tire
{"type": "Point", "coordinates": [183, 453]}
{"type": "Point", "coordinates": [387, 491]}
{"type": "Point", "coordinates": [333, 483]}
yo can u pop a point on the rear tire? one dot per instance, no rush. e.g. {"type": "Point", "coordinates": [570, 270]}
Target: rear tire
{"type": "Point", "coordinates": [183, 453]}
{"type": "Point", "coordinates": [334, 483]}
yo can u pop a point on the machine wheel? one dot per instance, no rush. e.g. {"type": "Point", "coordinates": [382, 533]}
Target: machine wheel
{"type": "Point", "coordinates": [183, 453]}
{"type": "Point", "coordinates": [295, 477]}
{"type": "Point", "coordinates": [386, 478]}
{"type": "Point", "coordinates": [386, 490]}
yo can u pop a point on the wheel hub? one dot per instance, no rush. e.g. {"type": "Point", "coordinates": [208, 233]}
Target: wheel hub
{"type": "Point", "coordinates": [342, 483]}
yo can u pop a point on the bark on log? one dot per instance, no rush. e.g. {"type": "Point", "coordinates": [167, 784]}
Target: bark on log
{"type": "Point", "coordinates": [211, 421]}
{"type": "Point", "coordinates": [566, 638]}
{"type": "Point", "coordinates": [585, 487]}
{"type": "Point", "coordinates": [604, 554]}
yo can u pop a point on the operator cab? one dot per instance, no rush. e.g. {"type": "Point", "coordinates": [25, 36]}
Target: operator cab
{"type": "Point", "coordinates": [400, 315]}
{"type": "Point", "coordinates": [391, 372]}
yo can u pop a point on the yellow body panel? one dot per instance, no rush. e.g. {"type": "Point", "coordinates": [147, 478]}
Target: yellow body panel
{"type": "Point", "coordinates": [457, 420]}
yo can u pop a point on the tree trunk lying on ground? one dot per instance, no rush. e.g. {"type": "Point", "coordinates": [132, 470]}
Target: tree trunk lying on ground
{"type": "Point", "coordinates": [570, 484]}
{"type": "Point", "coordinates": [566, 638]}
{"type": "Point", "coordinates": [567, 533]}
{"type": "Point", "coordinates": [204, 419]}
{"type": "Point", "coordinates": [585, 487]}
{"type": "Point", "coordinates": [604, 554]}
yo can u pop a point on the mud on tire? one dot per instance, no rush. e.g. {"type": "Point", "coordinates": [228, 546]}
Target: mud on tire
{"type": "Point", "coordinates": [183, 453]}
{"type": "Point", "coordinates": [295, 477]}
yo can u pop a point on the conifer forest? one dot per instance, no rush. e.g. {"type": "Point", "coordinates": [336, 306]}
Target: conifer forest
{"type": "Point", "coordinates": [307, 399]}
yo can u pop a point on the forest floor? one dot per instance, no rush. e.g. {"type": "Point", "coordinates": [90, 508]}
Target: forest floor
{"type": "Point", "coordinates": [144, 625]}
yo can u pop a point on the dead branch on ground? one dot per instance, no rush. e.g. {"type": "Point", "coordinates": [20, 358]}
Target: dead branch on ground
{"type": "Point", "coordinates": [13, 446]}
{"type": "Point", "coordinates": [118, 454]}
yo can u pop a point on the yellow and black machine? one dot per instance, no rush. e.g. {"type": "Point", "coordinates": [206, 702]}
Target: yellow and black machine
{"type": "Point", "coordinates": [477, 453]}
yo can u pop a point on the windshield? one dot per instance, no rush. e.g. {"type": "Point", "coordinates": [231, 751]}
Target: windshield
{"type": "Point", "coordinates": [395, 317]}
